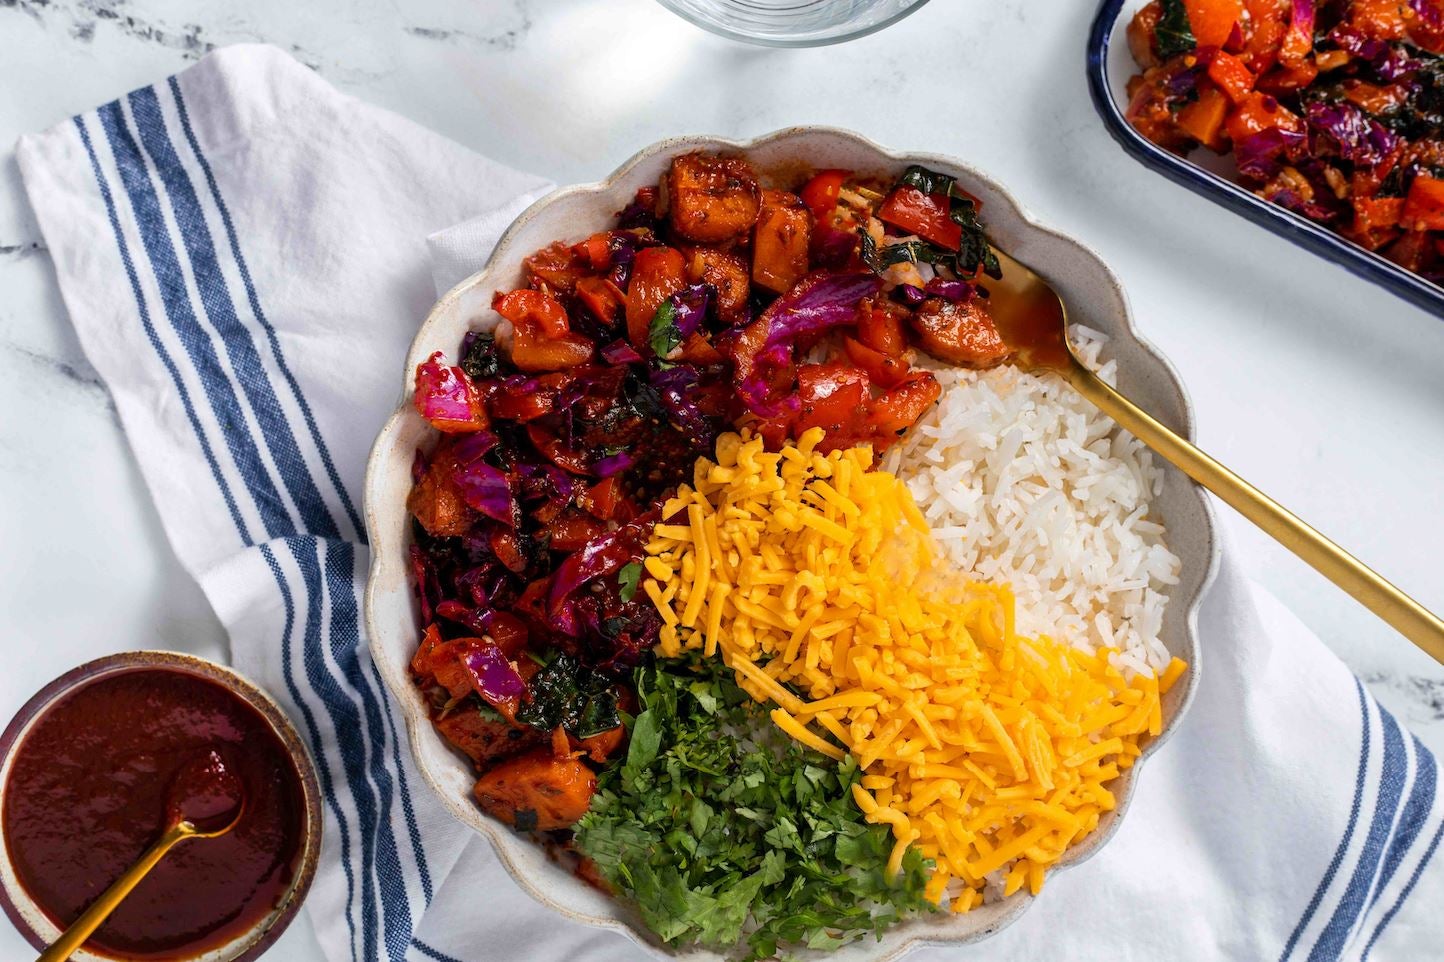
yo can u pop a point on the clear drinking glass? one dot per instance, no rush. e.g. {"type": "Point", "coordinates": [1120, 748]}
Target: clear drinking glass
{"type": "Point", "coordinates": [792, 23]}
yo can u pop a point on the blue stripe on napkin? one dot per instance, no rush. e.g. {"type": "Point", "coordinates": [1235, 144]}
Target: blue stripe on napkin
{"type": "Point", "coordinates": [1338, 858]}
{"type": "Point", "coordinates": [357, 527]}
{"type": "Point", "coordinates": [1391, 789]}
{"type": "Point", "coordinates": [355, 718]}
{"type": "Point", "coordinates": [1403, 804]}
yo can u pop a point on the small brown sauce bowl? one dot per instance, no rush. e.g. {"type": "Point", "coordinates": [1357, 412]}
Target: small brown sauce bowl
{"type": "Point", "coordinates": [27, 915]}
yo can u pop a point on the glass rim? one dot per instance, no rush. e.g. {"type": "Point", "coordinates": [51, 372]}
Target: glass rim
{"type": "Point", "coordinates": [719, 30]}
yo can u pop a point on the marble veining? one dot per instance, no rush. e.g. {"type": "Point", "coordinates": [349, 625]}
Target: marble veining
{"type": "Point", "coordinates": [22, 249]}
{"type": "Point", "coordinates": [78, 373]}
{"type": "Point", "coordinates": [83, 16]}
{"type": "Point", "coordinates": [509, 30]}
{"type": "Point", "coordinates": [1423, 695]}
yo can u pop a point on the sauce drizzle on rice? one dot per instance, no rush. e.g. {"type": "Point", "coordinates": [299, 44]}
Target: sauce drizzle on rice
{"type": "Point", "coordinates": [986, 748]}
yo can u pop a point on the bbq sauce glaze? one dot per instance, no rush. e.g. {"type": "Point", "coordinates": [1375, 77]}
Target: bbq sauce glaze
{"type": "Point", "coordinates": [92, 784]}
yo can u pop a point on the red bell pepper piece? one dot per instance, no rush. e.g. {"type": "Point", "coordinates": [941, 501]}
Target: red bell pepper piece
{"type": "Point", "coordinates": [657, 274]}
{"type": "Point", "coordinates": [880, 327]}
{"type": "Point", "coordinates": [884, 370]}
{"type": "Point", "coordinates": [507, 632]}
{"type": "Point", "coordinates": [572, 530]}
{"type": "Point", "coordinates": [1232, 77]}
{"type": "Point", "coordinates": [597, 250]}
{"type": "Point", "coordinates": [602, 499]}
{"type": "Point", "coordinates": [1424, 205]}
{"type": "Point", "coordinates": [925, 215]}
{"type": "Point", "coordinates": [602, 297]}
{"type": "Point", "coordinates": [833, 397]}
{"type": "Point", "coordinates": [820, 194]}
{"type": "Point", "coordinates": [898, 409]}
{"type": "Point", "coordinates": [542, 338]}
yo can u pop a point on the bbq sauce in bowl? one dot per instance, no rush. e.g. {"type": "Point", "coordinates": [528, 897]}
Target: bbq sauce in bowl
{"type": "Point", "coordinates": [94, 781]}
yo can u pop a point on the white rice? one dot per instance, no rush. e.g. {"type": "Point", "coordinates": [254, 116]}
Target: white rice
{"type": "Point", "coordinates": [1025, 482]}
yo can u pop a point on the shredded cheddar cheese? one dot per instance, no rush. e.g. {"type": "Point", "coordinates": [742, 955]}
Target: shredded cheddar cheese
{"type": "Point", "coordinates": [816, 578]}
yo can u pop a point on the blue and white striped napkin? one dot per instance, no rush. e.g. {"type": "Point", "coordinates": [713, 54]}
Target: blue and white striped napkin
{"type": "Point", "coordinates": [244, 253]}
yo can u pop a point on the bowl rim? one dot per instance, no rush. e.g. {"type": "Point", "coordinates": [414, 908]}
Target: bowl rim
{"type": "Point", "coordinates": [249, 692]}
{"type": "Point", "coordinates": [686, 13]}
{"type": "Point", "coordinates": [1285, 223]}
{"type": "Point", "coordinates": [499, 835]}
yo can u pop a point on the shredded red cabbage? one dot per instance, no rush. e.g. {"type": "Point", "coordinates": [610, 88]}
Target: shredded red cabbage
{"type": "Point", "coordinates": [1300, 34]}
{"type": "Point", "coordinates": [1429, 12]}
{"type": "Point", "coordinates": [613, 464]}
{"type": "Point", "coordinates": [621, 352]}
{"type": "Point", "coordinates": [488, 490]}
{"type": "Point", "coordinates": [473, 447]}
{"type": "Point", "coordinates": [1310, 209]}
{"type": "Point", "coordinates": [949, 290]}
{"type": "Point", "coordinates": [1262, 155]}
{"type": "Point", "coordinates": [1350, 133]}
{"type": "Point", "coordinates": [911, 294]}
{"type": "Point", "coordinates": [819, 301]}
{"type": "Point", "coordinates": [641, 212]}
{"type": "Point", "coordinates": [690, 306]}
{"type": "Point", "coordinates": [492, 675]}
{"type": "Point", "coordinates": [832, 248]}
{"type": "Point", "coordinates": [603, 555]}
{"type": "Point", "coordinates": [446, 397]}
{"type": "Point", "coordinates": [673, 386]}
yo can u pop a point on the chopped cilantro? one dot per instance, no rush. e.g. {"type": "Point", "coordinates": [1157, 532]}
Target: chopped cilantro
{"type": "Point", "coordinates": [628, 579]}
{"type": "Point", "coordinates": [725, 831]}
{"type": "Point", "coordinates": [662, 334]}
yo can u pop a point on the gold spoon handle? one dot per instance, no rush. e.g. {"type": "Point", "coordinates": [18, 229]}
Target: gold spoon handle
{"type": "Point", "coordinates": [1410, 618]}
{"type": "Point", "coordinates": [93, 917]}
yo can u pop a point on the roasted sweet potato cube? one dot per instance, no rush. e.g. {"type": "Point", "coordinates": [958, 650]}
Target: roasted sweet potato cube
{"type": "Point", "coordinates": [486, 740]}
{"type": "Point", "coordinates": [779, 247]}
{"type": "Point", "coordinates": [537, 791]}
{"type": "Point", "coordinates": [960, 332]}
{"type": "Point", "coordinates": [712, 199]}
{"type": "Point", "coordinates": [436, 501]}
{"type": "Point", "coordinates": [727, 273]}
{"type": "Point", "coordinates": [603, 745]}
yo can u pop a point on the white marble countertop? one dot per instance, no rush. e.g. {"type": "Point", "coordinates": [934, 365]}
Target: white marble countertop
{"type": "Point", "coordinates": [1324, 391]}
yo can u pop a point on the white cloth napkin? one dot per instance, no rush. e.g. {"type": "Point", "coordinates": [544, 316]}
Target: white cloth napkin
{"type": "Point", "coordinates": [244, 253]}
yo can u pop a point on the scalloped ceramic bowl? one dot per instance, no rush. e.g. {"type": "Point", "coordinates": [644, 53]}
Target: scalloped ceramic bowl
{"type": "Point", "coordinates": [1094, 298]}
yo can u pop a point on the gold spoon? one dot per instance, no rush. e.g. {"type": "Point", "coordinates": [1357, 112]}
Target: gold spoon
{"type": "Point", "coordinates": [1032, 318]}
{"type": "Point", "coordinates": [206, 800]}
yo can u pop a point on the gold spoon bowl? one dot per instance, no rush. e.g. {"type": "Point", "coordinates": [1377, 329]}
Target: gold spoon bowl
{"type": "Point", "coordinates": [1034, 320]}
{"type": "Point", "coordinates": [109, 900]}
